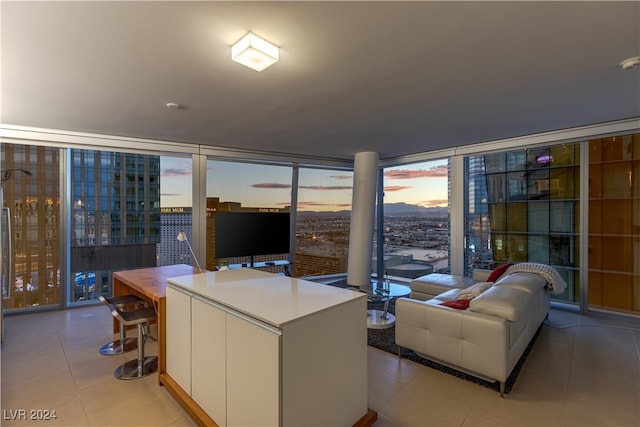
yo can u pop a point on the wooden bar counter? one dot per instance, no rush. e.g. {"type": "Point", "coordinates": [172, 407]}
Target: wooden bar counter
{"type": "Point", "coordinates": [151, 285]}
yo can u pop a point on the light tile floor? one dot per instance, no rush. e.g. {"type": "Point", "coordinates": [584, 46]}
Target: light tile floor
{"type": "Point", "coordinates": [582, 375]}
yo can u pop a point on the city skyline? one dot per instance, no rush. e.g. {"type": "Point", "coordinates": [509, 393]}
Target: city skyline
{"type": "Point", "coordinates": [423, 184]}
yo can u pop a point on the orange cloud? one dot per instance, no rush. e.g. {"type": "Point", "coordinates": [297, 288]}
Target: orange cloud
{"type": "Point", "coordinates": [392, 188]}
{"type": "Point", "coordinates": [442, 203]}
{"type": "Point", "coordinates": [315, 205]}
{"type": "Point", "coordinates": [437, 172]}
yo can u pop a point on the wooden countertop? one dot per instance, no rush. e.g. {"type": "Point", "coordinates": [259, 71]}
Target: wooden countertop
{"type": "Point", "coordinates": [152, 281]}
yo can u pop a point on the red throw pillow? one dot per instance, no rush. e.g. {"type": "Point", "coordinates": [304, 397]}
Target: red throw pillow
{"type": "Point", "coordinates": [497, 272]}
{"type": "Point", "coordinates": [460, 304]}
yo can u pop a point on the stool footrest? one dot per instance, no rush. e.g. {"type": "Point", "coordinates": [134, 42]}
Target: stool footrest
{"type": "Point", "coordinates": [131, 371]}
{"type": "Point", "coordinates": [116, 347]}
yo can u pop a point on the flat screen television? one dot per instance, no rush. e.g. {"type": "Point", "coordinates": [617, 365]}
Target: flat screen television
{"type": "Point", "coordinates": [239, 234]}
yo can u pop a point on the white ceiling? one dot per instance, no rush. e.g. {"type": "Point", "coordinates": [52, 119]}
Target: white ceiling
{"type": "Point", "coordinates": [397, 78]}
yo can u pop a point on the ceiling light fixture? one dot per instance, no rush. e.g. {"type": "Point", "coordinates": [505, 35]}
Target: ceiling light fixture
{"type": "Point", "coordinates": [630, 63]}
{"type": "Point", "coordinates": [254, 52]}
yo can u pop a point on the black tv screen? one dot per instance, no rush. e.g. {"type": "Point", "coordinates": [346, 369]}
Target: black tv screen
{"type": "Point", "coordinates": [240, 234]}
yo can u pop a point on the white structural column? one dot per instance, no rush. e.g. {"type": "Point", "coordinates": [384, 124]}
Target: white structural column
{"type": "Point", "coordinates": [456, 215]}
{"type": "Point", "coordinates": [365, 179]}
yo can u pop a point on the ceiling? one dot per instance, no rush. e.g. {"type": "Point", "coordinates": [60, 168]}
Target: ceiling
{"type": "Point", "coordinates": [397, 78]}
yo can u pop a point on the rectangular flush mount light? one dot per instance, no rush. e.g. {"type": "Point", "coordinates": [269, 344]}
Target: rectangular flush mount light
{"type": "Point", "coordinates": [254, 52]}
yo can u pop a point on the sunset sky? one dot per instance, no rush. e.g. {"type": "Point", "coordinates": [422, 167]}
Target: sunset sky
{"type": "Point", "coordinates": [423, 184]}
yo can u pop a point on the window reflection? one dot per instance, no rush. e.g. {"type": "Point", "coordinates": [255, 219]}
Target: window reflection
{"type": "Point", "coordinates": [30, 222]}
{"type": "Point", "coordinates": [614, 223]}
{"type": "Point", "coordinates": [537, 220]}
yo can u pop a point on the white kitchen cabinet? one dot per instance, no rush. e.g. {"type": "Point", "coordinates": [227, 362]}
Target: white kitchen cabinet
{"type": "Point", "coordinates": [208, 358]}
{"type": "Point", "coordinates": [269, 350]}
{"type": "Point", "coordinates": [253, 373]}
{"type": "Point", "coordinates": [178, 354]}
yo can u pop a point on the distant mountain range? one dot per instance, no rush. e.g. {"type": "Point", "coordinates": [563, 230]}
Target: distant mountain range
{"type": "Point", "coordinates": [392, 209]}
{"type": "Point", "coordinates": [401, 208]}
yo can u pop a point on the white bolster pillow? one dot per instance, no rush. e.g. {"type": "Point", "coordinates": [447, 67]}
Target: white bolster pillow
{"type": "Point", "coordinates": [528, 282]}
{"type": "Point", "coordinates": [502, 301]}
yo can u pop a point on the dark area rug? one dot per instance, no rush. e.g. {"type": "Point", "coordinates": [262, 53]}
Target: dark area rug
{"type": "Point", "coordinates": [385, 339]}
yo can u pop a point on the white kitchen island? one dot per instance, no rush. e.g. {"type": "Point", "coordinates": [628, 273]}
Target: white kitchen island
{"type": "Point", "coordinates": [246, 347]}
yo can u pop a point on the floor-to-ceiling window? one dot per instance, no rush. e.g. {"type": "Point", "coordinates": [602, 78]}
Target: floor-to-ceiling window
{"type": "Point", "coordinates": [245, 187]}
{"type": "Point", "coordinates": [416, 219]}
{"type": "Point", "coordinates": [532, 200]}
{"type": "Point", "coordinates": [323, 218]}
{"type": "Point", "coordinates": [476, 223]}
{"type": "Point", "coordinates": [176, 216]}
{"type": "Point", "coordinates": [30, 226]}
{"type": "Point", "coordinates": [115, 217]}
{"type": "Point", "coordinates": [614, 224]}
{"type": "Point", "coordinates": [533, 205]}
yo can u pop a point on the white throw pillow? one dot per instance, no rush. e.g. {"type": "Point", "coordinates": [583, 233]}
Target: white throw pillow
{"type": "Point", "coordinates": [502, 301]}
{"type": "Point", "coordinates": [474, 290]}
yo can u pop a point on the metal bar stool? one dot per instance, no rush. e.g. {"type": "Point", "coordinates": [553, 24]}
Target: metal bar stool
{"type": "Point", "coordinates": [123, 344]}
{"type": "Point", "coordinates": [142, 365]}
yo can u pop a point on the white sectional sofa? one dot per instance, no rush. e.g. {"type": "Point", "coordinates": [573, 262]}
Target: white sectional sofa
{"type": "Point", "coordinates": [488, 338]}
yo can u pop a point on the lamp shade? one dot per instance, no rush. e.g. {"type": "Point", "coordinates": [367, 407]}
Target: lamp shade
{"type": "Point", "coordinates": [254, 52]}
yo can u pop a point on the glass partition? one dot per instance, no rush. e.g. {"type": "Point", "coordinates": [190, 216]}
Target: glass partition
{"type": "Point", "coordinates": [614, 223]}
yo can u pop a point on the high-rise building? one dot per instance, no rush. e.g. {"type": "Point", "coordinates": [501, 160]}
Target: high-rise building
{"type": "Point", "coordinates": [30, 229]}
{"type": "Point", "coordinates": [534, 207]}
{"type": "Point", "coordinates": [170, 250]}
{"type": "Point", "coordinates": [115, 218]}
{"type": "Point", "coordinates": [477, 229]}
{"type": "Point", "coordinates": [214, 205]}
